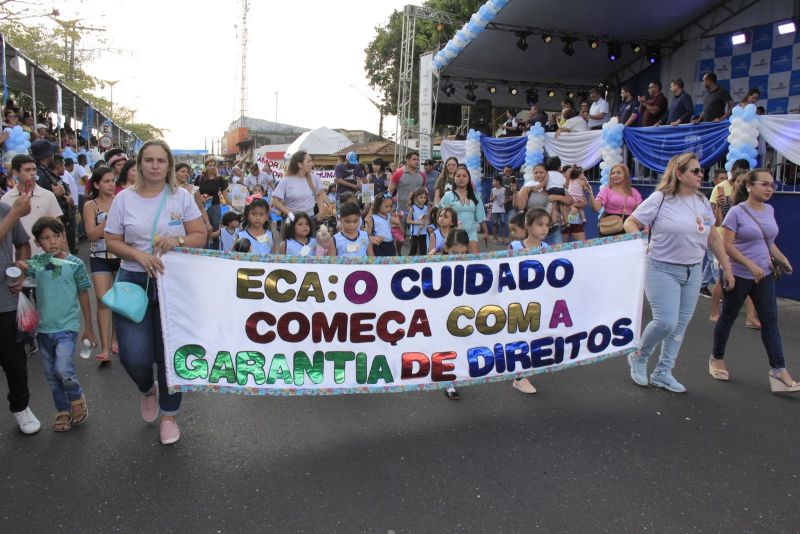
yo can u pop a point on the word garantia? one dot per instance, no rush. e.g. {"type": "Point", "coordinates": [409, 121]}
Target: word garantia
{"type": "Point", "coordinates": [194, 363]}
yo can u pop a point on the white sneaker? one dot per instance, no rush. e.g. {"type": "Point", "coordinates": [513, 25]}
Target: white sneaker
{"type": "Point", "coordinates": [27, 422]}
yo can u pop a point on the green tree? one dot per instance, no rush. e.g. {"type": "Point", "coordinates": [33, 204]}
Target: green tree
{"type": "Point", "coordinates": [382, 63]}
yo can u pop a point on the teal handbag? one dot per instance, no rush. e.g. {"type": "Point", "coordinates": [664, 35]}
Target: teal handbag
{"type": "Point", "coordinates": [128, 299]}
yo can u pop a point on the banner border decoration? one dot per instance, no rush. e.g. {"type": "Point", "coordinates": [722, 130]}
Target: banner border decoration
{"type": "Point", "coordinates": [322, 391]}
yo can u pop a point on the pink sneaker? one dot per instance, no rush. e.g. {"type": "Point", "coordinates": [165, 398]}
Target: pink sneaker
{"type": "Point", "coordinates": [150, 405]}
{"type": "Point", "coordinates": [170, 433]}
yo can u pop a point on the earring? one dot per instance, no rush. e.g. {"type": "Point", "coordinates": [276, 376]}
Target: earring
{"type": "Point", "coordinates": [749, 190]}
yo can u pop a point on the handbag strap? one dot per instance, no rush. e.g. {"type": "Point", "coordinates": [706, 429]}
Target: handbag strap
{"type": "Point", "coordinates": [161, 204]}
{"type": "Point", "coordinates": [763, 233]}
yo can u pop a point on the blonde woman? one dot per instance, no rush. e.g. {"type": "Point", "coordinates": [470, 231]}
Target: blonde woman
{"type": "Point", "coordinates": [680, 220]}
{"type": "Point", "coordinates": [618, 200]}
{"type": "Point", "coordinates": [140, 228]}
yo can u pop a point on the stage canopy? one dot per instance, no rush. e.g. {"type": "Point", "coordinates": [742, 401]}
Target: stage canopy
{"type": "Point", "coordinates": [494, 55]}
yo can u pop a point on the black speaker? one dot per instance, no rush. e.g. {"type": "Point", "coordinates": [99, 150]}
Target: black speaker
{"type": "Point", "coordinates": [481, 117]}
{"type": "Point", "coordinates": [448, 114]}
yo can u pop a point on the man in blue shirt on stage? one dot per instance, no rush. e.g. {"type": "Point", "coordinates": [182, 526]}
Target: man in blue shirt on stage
{"type": "Point", "coordinates": [681, 107]}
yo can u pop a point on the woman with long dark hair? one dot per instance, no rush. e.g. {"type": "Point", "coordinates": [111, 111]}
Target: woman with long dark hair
{"type": "Point", "coordinates": [469, 208]}
{"type": "Point", "coordinates": [749, 232]}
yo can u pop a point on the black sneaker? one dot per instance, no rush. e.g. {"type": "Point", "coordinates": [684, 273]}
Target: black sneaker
{"type": "Point", "coordinates": [705, 292]}
{"type": "Point", "coordinates": [452, 393]}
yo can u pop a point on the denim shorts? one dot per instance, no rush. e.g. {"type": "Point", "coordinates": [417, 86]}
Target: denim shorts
{"type": "Point", "coordinates": [103, 265]}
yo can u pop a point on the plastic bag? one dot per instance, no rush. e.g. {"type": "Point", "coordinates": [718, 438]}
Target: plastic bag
{"type": "Point", "coordinates": [27, 316]}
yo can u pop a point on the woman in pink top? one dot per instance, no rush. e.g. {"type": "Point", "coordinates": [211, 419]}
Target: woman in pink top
{"type": "Point", "coordinates": [618, 198]}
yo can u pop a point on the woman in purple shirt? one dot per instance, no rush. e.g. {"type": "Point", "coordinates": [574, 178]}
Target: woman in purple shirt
{"type": "Point", "coordinates": [749, 232]}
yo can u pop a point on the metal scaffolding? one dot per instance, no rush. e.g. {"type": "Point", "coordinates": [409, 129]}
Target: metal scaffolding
{"type": "Point", "coordinates": [406, 78]}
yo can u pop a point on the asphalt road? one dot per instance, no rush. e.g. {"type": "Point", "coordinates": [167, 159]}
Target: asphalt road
{"type": "Point", "coordinates": [591, 452]}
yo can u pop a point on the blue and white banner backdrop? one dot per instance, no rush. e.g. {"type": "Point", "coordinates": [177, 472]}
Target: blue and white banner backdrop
{"type": "Point", "coordinates": [502, 151]}
{"type": "Point", "coordinates": [654, 146]}
{"type": "Point", "coordinates": [770, 62]}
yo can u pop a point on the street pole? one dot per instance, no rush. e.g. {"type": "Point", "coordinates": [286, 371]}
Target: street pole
{"type": "Point", "coordinates": [276, 107]}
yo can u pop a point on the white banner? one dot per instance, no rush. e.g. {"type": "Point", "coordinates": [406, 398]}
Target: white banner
{"type": "Point", "coordinates": [300, 325]}
{"type": "Point", "coordinates": [277, 169]}
{"type": "Point", "coordinates": [425, 106]}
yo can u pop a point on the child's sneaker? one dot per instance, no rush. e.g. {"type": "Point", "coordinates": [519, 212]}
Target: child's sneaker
{"type": "Point", "coordinates": [27, 422]}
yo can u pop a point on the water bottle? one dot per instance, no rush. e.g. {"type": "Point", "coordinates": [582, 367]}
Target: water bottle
{"type": "Point", "coordinates": [86, 350]}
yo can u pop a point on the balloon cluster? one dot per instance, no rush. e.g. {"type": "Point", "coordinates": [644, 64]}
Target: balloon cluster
{"type": "Point", "coordinates": [477, 23]}
{"type": "Point", "coordinates": [534, 150]}
{"type": "Point", "coordinates": [92, 156]}
{"type": "Point", "coordinates": [19, 141]}
{"type": "Point", "coordinates": [610, 148]}
{"type": "Point", "coordinates": [473, 159]}
{"type": "Point", "coordinates": [743, 138]}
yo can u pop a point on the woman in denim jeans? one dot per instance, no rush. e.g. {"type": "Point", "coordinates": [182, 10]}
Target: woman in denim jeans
{"type": "Point", "coordinates": [749, 232]}
{"type": "Point", "coordinates": [680, 221]}
{"type": "Point", "coordinates": [145, 221]}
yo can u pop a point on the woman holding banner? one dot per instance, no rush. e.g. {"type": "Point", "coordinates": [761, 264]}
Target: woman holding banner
{"type": "Point", "coordinates": [150, 218]}
{"type": "Point", "coordinates": [680, 220]}
{"type": "Point", "coordinates": [300, 189]}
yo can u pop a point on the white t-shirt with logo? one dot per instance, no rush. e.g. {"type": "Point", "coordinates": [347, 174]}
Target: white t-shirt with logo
{"type": "Point", "coordinates": [131, 216]}
{"type": "Point", "coordinates": [79, 174]}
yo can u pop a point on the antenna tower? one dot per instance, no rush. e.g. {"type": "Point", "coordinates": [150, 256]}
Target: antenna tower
{"type": "Point", "coordinates": [243, 95]}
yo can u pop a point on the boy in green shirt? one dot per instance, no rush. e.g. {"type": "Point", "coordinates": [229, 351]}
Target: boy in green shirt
{"type": "Point", "coordinates": [61, 297]}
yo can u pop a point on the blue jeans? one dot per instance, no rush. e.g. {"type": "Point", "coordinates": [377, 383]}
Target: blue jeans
{"type": "Point", "coordinates": [214, 218]}
{"type": "Point", "coordinates": [499, 222]}
{"type": "Point", "coordinates": [141, 346]}
{"type": "Point", "coordinates": [672, 291]}
{"type": "Point", "coordinates": [57, 350]}
{"type": "Point", "coordinates": [763, 295]}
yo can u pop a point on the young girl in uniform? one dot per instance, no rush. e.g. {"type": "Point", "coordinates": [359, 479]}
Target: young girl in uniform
{"type": "Point", "coordinates": [417, 221]}
{"type": "Point", "coordinates": [297, 236]}
{"type": "Point", "coordinates": [446, 220]}
{"type": "Point", "coordinates": [257, 232]}
{"type": "Point", "coordinates": [379, 228]}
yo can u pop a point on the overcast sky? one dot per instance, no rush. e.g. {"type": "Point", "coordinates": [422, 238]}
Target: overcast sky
{"type": "Point", "coordinates": [181, 62]}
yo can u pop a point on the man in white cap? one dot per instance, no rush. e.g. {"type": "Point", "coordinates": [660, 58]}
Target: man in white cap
{"type": "Point", "coordinates": [41, 131]}
{"type": "Point", "coordinates": [348, 175]}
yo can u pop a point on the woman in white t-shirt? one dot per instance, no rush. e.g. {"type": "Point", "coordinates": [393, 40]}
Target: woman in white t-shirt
{"type": "Point", "coordinates": [572, 123]}
{"type": "Point", "coordinates": [300, 189]}
{"type": "Point", "coordinates": [146, 220]}
{"type": "Point", "coordinates": [681, 221]}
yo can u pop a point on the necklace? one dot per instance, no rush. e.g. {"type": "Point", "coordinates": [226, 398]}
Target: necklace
{"type": "Point", "coordinates": [699, 226]}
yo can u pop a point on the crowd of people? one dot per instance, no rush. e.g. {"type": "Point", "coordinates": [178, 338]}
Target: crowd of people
{"type": "Point", "coordinates": [652, 109]}
{"type": "Point", "coordinates": [132, 211]}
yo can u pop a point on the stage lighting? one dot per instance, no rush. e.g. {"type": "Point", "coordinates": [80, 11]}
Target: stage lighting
{"type": "Point", "coordinates": [786, 27]}
{"type": "Point", "coordinates": [568, 48]}
{"type": "Point", "coordinates": [614, 51]}
{"type": "Point", "coordinates": [551, 93]}
{"type": "Point", "coordinates": [512, 90]}
{"type": "Point", "coordinates": [636, 48]}
{"type": "Point", "coordinates": [740, 38]}
{"type": "Point", "coordinates": [471, 92]}
{"type": "Point", "coordinates": [492, 89]}
{"type": "Point", "coordinates": [594, 43]}
{"type": "Point", "coordinates": [449, 89]}
{"type": "Point", "coordinates": [522, 43]}
{"type": "Point", "coordinates": [570, 94]}
{"type": "Point", "coordinates": [547, 38]}
{"type": "Point", "coordinates": [653, 54]}
{"type": "Point", "coordinates": [532, 96]}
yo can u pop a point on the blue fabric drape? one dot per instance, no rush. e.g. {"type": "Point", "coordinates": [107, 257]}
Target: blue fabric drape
{"type": "Point", "coordinates": [654, 146]}
{"type": "Point", "coordinates": [502, 151]}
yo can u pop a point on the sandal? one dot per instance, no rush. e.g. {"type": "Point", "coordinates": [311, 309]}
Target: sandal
{"type": "Point", "coordinates": [114, 347]}
{"type": "Point", "coordinates": [719, 374]}
{"type": "Point", "coordinates": [80, 411]}
{"type": "Point", "coordinates": [63, 422]}
{"type": "Point", "coordinates": [103, 357]}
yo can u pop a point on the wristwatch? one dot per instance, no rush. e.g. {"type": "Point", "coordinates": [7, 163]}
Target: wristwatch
{"type": "Point", "coordinates": [180, 241]}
